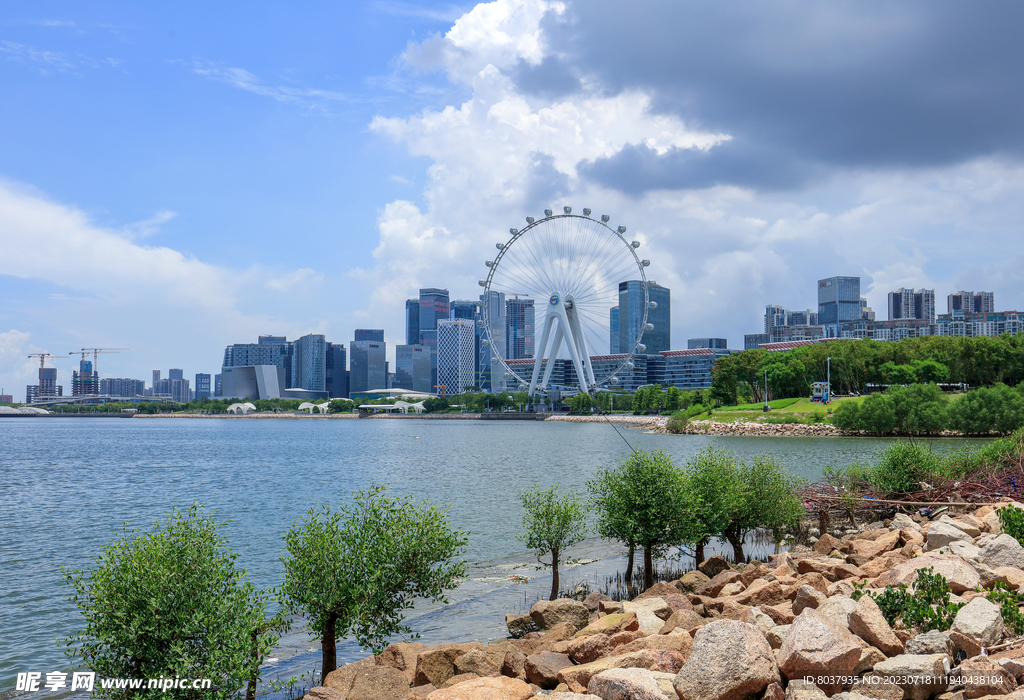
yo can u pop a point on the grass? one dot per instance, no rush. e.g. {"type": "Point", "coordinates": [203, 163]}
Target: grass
{"type": "Point", "coordinates": [776, 404]}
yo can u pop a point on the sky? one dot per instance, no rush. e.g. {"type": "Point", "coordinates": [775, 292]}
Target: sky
{"type": "Point", "coordinates": [177, 178]}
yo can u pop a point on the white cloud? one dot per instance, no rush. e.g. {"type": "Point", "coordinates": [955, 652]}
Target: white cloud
{"type": "Point", "coordinates": [724, 251]}
{"type": "Point", "coordinates": [303, 279]}
{"type": "Point", "coordinates": [16, 368]}
{"type": "Point", "coordinates": [244, 80]}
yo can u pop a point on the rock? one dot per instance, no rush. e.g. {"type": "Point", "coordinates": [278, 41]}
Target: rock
{"type": "Point", "coordinates": [1011, 576]}
{"type": "Point", "coordinates": [542, 669]}
{"type": "Point", "coordinates": [731, 589]}
{"type": "Point", "coordinates": [730, 660]}
{"type": "Point", "coordinates": [960, 575]}
{"type": "Point", "coordinates": [723, 578]}
{"type": "Point", "coordinates": [593, 601]}
{"type": "Point", "coordinates": [500, 688]}
{"type": "Point", "coordinates": [964, 549]}
{"type": "Point", "coordinates": [579, 676]}
{"type": "Point", "coordinates": [753, 573]}
{"type": "Point", "coordinates": [561, 632]}
{"type": "Point", "coordinates": [403, 657]}
{"type": "Point", "coordinates": [437, 664]}
{"type": "Point", "coordinates": [961, 642]}
{"type": "Point", "coordinates": [800, 689]}
{"type": "Point", "coordinates": [713, 565]}
{"type": "Point", "coordinates": [570, 696]}
{"type": "Point", "coordinates": [776, 636]}
{"type": "Point", "coordinates": [868, 623]}
{"type": "Point", "coordinates": [686, 619]}
{"type": "Point", "coordinates": [933, 642]}
{"type": "Point", "coordinates": [323, 693]}
{"type": "Point", "coordinates": [781, 615]}
{"type": "Point", "coordinates": [1003, 550]}
{"type": "Point", "coordinates": [871, 549]}
{"type": "Point", "coordinates": [940, 534]}
{"type": "Point", "coordinates": [825, 544]}
{"type": "Point", "coordinates": [656, 604]}
{"type": "Point", "coordinates": [590, 648]}
{"type": "Point", "coordinates": [987, 678]}
{"type": "Point", "coordinates": [838, 609]}
{"type": "Point", "coordinates": [658, 590]}
{"type": "Point", "coordinates": [774, 691]}
{"type": "Point", "coordinates": [815, 645]}
{"type": "Point", "coordinates": [831, 569]}
{"type": "Point", "coordinates": [611, 607]}
{"type": "Point", "coordinates": [878, 566]}
{"type": "Point", "coordinates": [548, 613]}
{"type": "Point", "coordinates": [759, 620]}
{"type": "Point", "coordinates": [478, 662]}
{"type": "Point", "coordinates": [869, 657]}
{"type": "Point", "coordinates": [648, 622]}
{"type": "Point", "coordinates": [520, 625]}
{"type": "Point", "coordinates": [379, 683]}
{"type": "Point", "coordinates": [514, 664]}
{"type": "Point", "coordinates": [691, 581]}
{"type": "Point", "coordinates": [981, 620]}
{"type": "Point", "coordinates": [625, 684]}
{"type": "Point", "coordinates": [460, 678]}
{"type": "Point", "coordinates": [843, 588]}
{"type": "Point", "coordinates": [341, 678]}
{"type": "Point", "coordinates": [873, 686]}
{"type": "Point", "coordinates": [681, 644]}
{"type": "Point", "coordinates": [762, 592]}
{"type": "Point", "coordinates": [902, 521]}
{"type": "Point", "coordinates": [964, 523]}
{"type": "Point", "coordinates": [611, 624]}
{"type": "Point", "coordinates": [807, 597]}
{"type": "Point", "coordinates": [920, 675]}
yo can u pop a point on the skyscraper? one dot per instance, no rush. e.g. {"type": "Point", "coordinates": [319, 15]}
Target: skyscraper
{"type": "Point", "coordinates": [465, 309]}
{"type": "Point", "coordinates": [456, 355]}
{"type": "Point", "coordinates": [838, 302]}
{"type": "Point", "coordinates": [412, 368]}
{"type": "Point", "coordinates": [85, 382]}
{"type": "Point", "coordinates": [631, 310]}
{"type": "Point", "coordinates": [520, 328]}
{"type": "Point", "coordinates": [369, 334]}
{"type": "Point", "coordinates": [156, 378]}
{"type": "Point", "coordinates": [707, 344]}
{"type": "Point", "coordinates": [336, 383]}
{"type": "Point", "coordinates": [309, 363]}
{"type": "Point", "coordinates": [47, 386]}
{"type": "Point", "coordinates": [202, 386]}
{"type": "Point", "coordinates": [269, 350]}
{"type": "Point", "coordinates": [433, 308]}
{"type": "Point", "coordinates": [613, 334]}
{"type": "Point", "coordinates": [367, 364]}
{"type": "Point", "coordinates": [491, 373]}
{"type": "Point", "coordinates": [971, 302]}
{"type": "Point", "coordinates": [907, 303]}
{"type": "Point", "coordinates": [412, 321]}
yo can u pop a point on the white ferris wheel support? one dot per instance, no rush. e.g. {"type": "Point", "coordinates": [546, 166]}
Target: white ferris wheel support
{"type": "Point", "coordinates": [571, 267]}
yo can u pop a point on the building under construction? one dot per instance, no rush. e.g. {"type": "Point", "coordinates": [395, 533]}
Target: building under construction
{"type": "Point", "coordinates": [85, 381]}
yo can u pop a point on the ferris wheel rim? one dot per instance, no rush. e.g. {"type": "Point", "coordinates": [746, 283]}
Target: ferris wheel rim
{"type": "Point", "coordinates": [517, 234]}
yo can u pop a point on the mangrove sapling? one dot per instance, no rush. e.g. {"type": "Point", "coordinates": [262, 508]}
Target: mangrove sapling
{"type": "Point", "coordinates": [553, 521]}
{"type": "Point", "coordinates": [644, 501]}
{"type": "Point", "coordinates": [357, 569]}
{"type": "Point", "coordinates": [712, 496]}
{"type": "Point", "coordinates": [770, 500]}
{"type": "Point", "coordinates": [168, 603]}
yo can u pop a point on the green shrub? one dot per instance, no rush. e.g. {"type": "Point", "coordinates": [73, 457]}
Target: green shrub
{"type": "Point", "coordinates": [926, 608]}
{"type": "Point", "coordinates": [678, 422]}
{"type": "Point", "coordinates": [1008, 602]}
{"type": "Point", "coordinates": [1011, 519]}
{"type": "Point", "coordinates": [901, 467]}
{"type": "Point", "coordinates": [990, 409]}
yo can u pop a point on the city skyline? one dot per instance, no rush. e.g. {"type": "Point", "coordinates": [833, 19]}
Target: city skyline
{"type": "Point", "coordinates": [306, 177]}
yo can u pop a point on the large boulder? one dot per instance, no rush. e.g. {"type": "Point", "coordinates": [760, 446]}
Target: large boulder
{"type": "Point", "coordinates": [579, 676]}
{"type": "Point", "coordinates": [691, 581]}
{"type": "Point", "coordinates": [960, 575]}
{"type": "Point", "coordinates": [520, 625]}
{"type": "Point", "coordinates": [868, 623]}
{"type": "Point", "coordinates": [686, 619]}
{"type": "Point", "coordinates": [719, 581]}
{"type": "Point", "coordinates": [868, 549]}
{"type": "Point", "coordinates": [625, 684]}
{"type": "Point", "coordinates": [341, 678]}
{"type": "Point", "coordinates": [611, 624]}
{"type": "Point", "coordinates": [500, 688]}
{"type": "Point", "coordinates": [981, 620]}
{"type": "Point", "coordinates": [933, 642]}
{"type": "Point", "coordinates": [940, 534]}
{"type": "Point", "coordinates": [680, 643]}
{"type": "Point", "coordinates": [838, 608]}
{"type": "Point", "coordinates": [548, 613]}
{"type": "Point", "coordinates": [658, 590]}
{"type": "Point", "coordinates": [542, 669]}
{"type": "Point", "coordinates": [761, 592]}
{"type": "Point", "coordinates": [920, 676]}
{"type": "Point", "coordinates": [815, 645]}
{"type": "Point", "coordinates": [986, 678]}
{"type": "Point", "coordinates": [436, 664]}
{"type": "Point", "coordinates": [1003, 550]}
{"type": "Point", "coordinates": [807, 597]}
{"type": "Point", "coordinates": [730, 660]}
{"type": "Point", "coordinates": [799, 689]}
{"type": "Point", "coordinates": [379, 683]}
{"type": "Point", "coordinates": [477, 661]}
{"type": "Point", "coordinates": [713, 565]}
{"type": "Point", "coordinates": [647, 619]}
{"type": "Point", "coordinates": [589, 648]}
{"type": "Point", "coordinates": [594, 600]}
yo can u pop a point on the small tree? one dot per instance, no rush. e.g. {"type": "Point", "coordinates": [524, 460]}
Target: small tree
{"type": "Point", "coordinates": [712, 495]}
{"type": "Point", "coordinates": [171, 603]}
{"type": "Point", "coordinates": [581, 403]}
{"type": "Point", "coordinates": [642, 502]}
{"type": "Point", "coordinates": [356, 570]}
{"type": "Point", "coordinates": [553, 522]}
{"type": "Point", "coordinates": [770, 500]}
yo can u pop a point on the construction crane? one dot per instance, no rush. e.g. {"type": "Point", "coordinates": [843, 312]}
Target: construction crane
{"type": "Point", "coordinates": [95, 354]}
{"type": "Point", "coordinates": [442, 387]}
{"type": "Point", "coordinates": [42, 358]}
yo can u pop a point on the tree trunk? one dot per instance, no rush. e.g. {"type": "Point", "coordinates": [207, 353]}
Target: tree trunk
{"type": "Point", "coordinates": [648, 568]}
{"type": "Point", "coordinates": [698, 555]}
{"type": "Point", "coordinates": [737, 545]}
{"type": "Point", "coordinates": [822, 521]}
{"type": "Point", "coordinates": [554, 575]}
{"type": "Point", "coordinates": [629, 566]}
{"type": "Point", "coordinates": [250, 688]}
{"type": "Point", "coordinates": [330, 649]}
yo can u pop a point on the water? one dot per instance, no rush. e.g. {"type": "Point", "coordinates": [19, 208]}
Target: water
{"type": "Point", "coordinates": [68, 485]}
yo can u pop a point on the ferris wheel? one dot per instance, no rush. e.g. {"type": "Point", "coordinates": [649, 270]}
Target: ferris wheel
{"type": "Point", "coordinates": [571, 267]}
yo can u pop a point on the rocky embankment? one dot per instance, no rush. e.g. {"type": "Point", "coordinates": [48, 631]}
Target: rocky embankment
{"type": "Point", "coordinates": [787, 629]}
{"type": "Point", "coordinates": [711, 427]}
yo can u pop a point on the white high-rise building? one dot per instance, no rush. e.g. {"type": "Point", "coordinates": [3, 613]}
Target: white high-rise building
{"type": "Point", "coordinates": [456, 354]}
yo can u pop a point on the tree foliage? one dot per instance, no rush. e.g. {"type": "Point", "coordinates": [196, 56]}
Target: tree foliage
{"type": "Point", "coordinates": [552, 522]}
{"type": "Point", "coordinates": [581, 403]}
{"type": "Point", "coordinates": [995, 409]}
{"type": "Point", "coordinates": [170, 602]}
{"type": "Point", "coordinates": [357, 570]}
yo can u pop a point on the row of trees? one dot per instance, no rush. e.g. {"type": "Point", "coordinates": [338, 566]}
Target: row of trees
{"type": "Point", "coordinates": [981, 361]}
{"type": "Point", "coordinates": [650, 503]}
{"type": "Point", "coordinates": [922, 409]}
{"type": "Point", "coordinates": [173, 602]}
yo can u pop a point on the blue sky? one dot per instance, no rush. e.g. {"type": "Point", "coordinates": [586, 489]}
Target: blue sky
{"type": "Point", "coordinates": [176, 178]}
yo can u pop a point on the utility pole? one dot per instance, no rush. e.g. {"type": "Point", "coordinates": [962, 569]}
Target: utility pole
{"type": "Point", "coordinates": [766, 406]}
{"type": "Point", "coordinates": [828, 397]}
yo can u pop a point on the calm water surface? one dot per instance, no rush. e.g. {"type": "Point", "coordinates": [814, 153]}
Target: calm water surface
{"type": "Point", "coordinates": [68, 485]}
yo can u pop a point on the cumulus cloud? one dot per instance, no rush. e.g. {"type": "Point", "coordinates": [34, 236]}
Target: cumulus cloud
{"type": "Point", "coordinates": [16, 368]}
{"type": "Point", "coordinates": [751, 154]}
